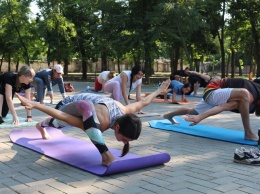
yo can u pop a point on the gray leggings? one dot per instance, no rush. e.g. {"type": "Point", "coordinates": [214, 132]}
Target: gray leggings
{"type": "Point", "coordinates": [71, 109]}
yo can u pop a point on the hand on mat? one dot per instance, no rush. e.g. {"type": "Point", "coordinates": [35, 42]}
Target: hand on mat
{"type": "Point", "coordinates": [192, 118]}
{"type": "Point", "coordinates": [29, 120]}
{"type": "Point", "coordinates": [15, 120]}
{"type": "Point", "coordinates": [173, 101]}
{"type": "Point", "coordinates": [185, 100]}
{"type": "Point", "coordinates": [107, 158]}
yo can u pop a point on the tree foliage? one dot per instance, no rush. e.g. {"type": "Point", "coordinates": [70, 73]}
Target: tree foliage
{"type": "Point", "coordinates": [137, 30]}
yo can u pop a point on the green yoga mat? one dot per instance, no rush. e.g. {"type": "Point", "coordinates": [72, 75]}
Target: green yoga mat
{"type": "Point", "coordinates": [8, 122]}
{"type": "Point", "coordinates": [229, 135]}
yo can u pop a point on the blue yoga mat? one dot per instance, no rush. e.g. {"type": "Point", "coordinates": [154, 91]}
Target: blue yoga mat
{"type": "Point", "coordinates": [229, 135]}
{"type": "Point", "coordinates": [9, 119]}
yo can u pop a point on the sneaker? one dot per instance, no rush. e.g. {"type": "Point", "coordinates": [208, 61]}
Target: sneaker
{"type": "Point", "coordinates": [246, 157]}
{"type": "Point", "coordinates": [253, 150]}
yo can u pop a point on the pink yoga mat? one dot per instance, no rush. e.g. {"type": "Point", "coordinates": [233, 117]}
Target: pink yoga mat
{"type": "Point", "coordinates": [82, 154]}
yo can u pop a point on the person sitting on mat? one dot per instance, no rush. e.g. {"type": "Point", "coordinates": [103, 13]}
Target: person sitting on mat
{"type": "Point", "coordinates": [127, 81]}
{"type": "Point", "coordinates": [102, 78]}
{"type": "Point", "coordinates": [10, 83]}
{"type": "Point", "coordinates": [228, 94]}
{"type": "Point", "coordinates": [95, 114]}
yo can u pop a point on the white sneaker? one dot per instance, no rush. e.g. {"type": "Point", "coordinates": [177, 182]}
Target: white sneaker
{"type": "Point", "coordinates": [245, 156]}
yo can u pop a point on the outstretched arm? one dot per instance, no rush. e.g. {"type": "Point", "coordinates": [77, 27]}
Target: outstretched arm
{"type": "Point", "coordinates": [134, 107]}
{"type": "Point", "coordinates": [71, 120]}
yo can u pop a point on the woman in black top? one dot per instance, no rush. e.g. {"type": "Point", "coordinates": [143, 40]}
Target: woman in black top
{"type": "Point", "coordinates": [10, 83]}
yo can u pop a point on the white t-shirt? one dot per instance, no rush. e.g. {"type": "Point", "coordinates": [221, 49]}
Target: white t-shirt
{"type": "Point", "coordinates": [103, 76]}
{"type": "Point", "coordinates": [134, 84]}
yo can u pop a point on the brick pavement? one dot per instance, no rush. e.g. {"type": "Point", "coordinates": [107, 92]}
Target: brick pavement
{"type": "Point", "coordinates": [197, 165]}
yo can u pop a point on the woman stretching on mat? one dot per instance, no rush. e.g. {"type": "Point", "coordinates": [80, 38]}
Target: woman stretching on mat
{"type": "Point", "coordinates": [10, 83]}
{"type": "Point", "coordinates": [127, 81]}
{"type": "Point", "coordinates": [95, 114]}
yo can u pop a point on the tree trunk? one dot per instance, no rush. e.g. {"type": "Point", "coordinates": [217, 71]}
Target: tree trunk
{"type": "Point", "coordinates": [104, 61]}
{"type": "Point", "coordinates": [257, 48]}
{"type": "Point", "coordinates": [66, 66]}
{"type": "Point", "coordinates": [250, 75]}
{"type": "Point", "coordinates": [9, 62]}
{"type": "Point", "coordinates": [232, 63]}
{"type": "Point", "coordinates": [118, 65]}
{"type": "Point", "coordinates": [17, 66]}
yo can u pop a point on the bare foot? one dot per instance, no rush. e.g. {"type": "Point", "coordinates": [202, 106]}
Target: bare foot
{"type": "Point", "coordinates": [107, 158]}
{"type": "Point", "coordinates": [171, 119]}
{"type": "Point", "coordinates": [43, 132]}
{"type": "Point", "coordinates": [26, 102]}
{"type": "Point", "coordinates": [251, 136]}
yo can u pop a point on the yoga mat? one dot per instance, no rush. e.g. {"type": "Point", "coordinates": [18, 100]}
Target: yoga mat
{"type": "Point", "coordinates": [184, 103]}
{"type": "Point", "coordinates": [82, 154]}
{"type": "Point", "coordinates": [229, 135]}
{"type": "Point", "coordinates": [148, 115]}
{"type": "Point", "coordinates": [22, 122]}
{"type": "Point", "coordinates": [47, 103]}
{"type": "Point", "coordinates": [198, 96]}
{"type": "Point", "coordinates": [178, 102]}
{"type": "Point", "coordinates": [162, 100]}
{"type": "Point", "coordinates": [94, 92]}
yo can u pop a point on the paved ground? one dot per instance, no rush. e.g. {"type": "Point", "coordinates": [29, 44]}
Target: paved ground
{"type": "Point", "coordinates": [197, 165]}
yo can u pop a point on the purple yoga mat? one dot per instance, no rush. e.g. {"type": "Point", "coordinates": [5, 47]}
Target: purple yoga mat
{"type": "Point", "coordinates": [82, 154]}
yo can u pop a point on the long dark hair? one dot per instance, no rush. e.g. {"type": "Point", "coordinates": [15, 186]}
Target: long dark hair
{"type": "Point", "coordinates": [130, 126]}
{"type": "Point", "coordinates": [135, 70]}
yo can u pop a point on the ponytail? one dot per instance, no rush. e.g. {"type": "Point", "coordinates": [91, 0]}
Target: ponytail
{"type": "Point", "coordinates": [125, 150]}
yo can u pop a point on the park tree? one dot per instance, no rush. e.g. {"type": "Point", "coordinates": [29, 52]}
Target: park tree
{"type": "Point", "coordinates": [56, 31]}
{"type": "Point", "coordinates": [15, 31]}
{"type": "Point", "coordinates": [246, 15]}
{"type": "Point", "coordinates": [214, 12]}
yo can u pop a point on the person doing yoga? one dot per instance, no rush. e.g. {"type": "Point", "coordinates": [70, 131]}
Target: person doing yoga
{"type": "Point", "coordinates": [228, 94]}
{"type": "Point", "coordinates": [11, 82]}
{"type": "Point", "coordinates": [127, 81]}
{"type": "Point", "coordinates": [95, 114]}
